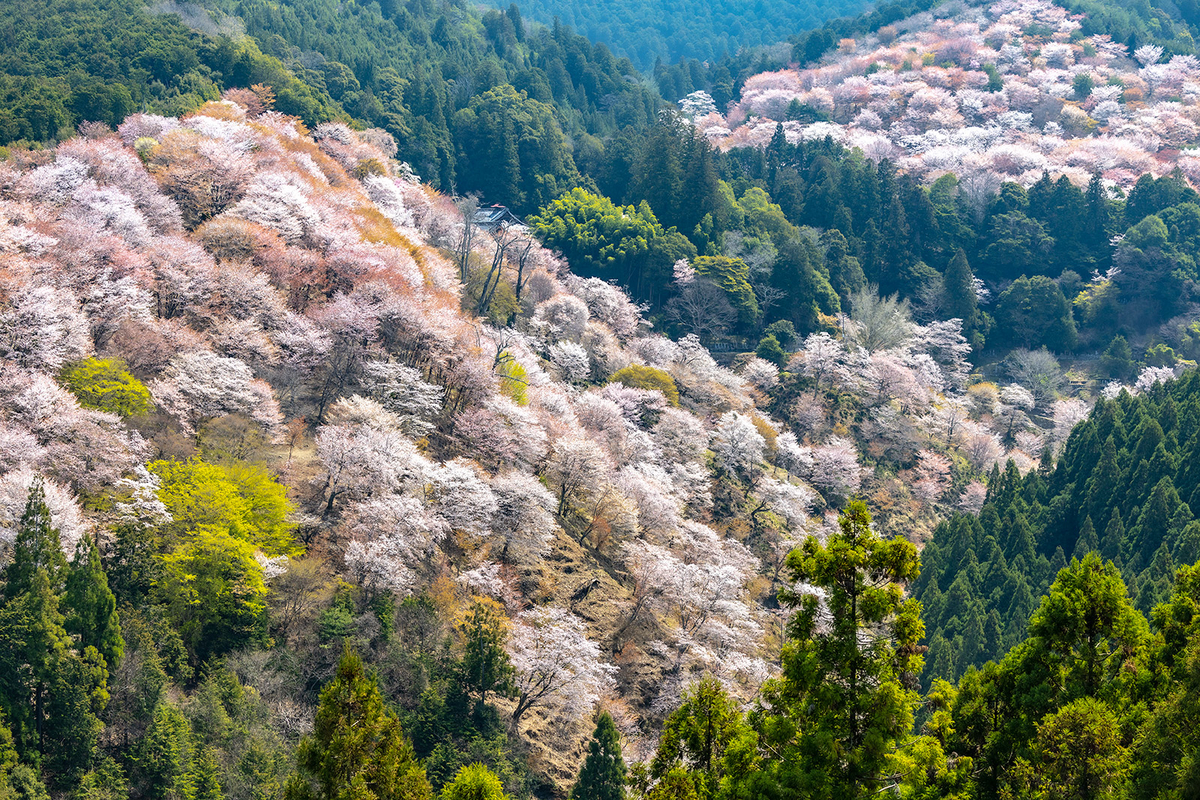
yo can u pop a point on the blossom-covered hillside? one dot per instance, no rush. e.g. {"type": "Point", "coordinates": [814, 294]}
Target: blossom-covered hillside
{"type": "Point", "coordinates": [235, 348]}
{"type": "Point", "coordinates": [997, 92]}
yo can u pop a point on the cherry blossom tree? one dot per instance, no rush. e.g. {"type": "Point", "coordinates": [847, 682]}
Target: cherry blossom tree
{"type": "Point", "coordinates": [556, 665]}
{"type": "Point", "coordinates": [577, 465]}
{"type": "Point", "coordinates": [835, 468]}
{"type": "Point", "coordinates": [365, 454]}
{"type": "Point", "coordinates": [932, 476]}
{"type": "Point", "coordinates": [42, 327]}
{"type": "Point", "coordinates": [973, 497]}
{"type": "Point", "coordinates": [200, 385]}
{"type": "Point", "coordinates": [461, 497]}
{"type": "Point", "coordinates": [1150, 376]}
{"type": "Point", "coordinates": [681, 437]}
{"type": "Point", "coordinates": [571, 361]}
{"type": "Point", "coordinates": [499, 433]}
{"type": "Point", "coordinates": [401, 390]}
{"type": "Point", "coordinates": [820, 360]}
{"type": "Point", "coordinates": [738, 446]}
{"type": "Point", "coordinates": [524, 516]}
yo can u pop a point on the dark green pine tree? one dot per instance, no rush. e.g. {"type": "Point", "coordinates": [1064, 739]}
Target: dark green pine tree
{"type": "Point", "coordinates": [602, 776]}
{"type": "Point", "coordinates": [1087, 541]}
{"type": "Point", "coordinates": [33, 643]}
{"type": "Point", "coordinates": [91, 608]}
{"type": "Point", "coordinates": [357, 749]}
{"type": "Point", "coordinates": [959, 284]}
{"type": "Point", "coordinates": [37, 547]}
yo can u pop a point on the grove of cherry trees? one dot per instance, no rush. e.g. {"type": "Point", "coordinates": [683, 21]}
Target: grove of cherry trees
{"type": "Point", "coordinates": [284, 309]}
{"type": "Point", "coordinates": [993, 93]}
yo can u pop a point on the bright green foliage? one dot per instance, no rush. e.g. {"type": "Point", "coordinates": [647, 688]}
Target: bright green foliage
{"type": "Point", "coordinates": [17, 780]}
{"type": "Point", "coordinates": [205, 783]}
{"type": "Point", "coordinates": [732, 275]}
{"type": "Point", "coordinates": [1053, 718]}
{"type": "Point", "coordinates": [697, 735]}
{"type": "Point", "coordinates": [105, 384]}
{"type": "Point", "coordinates": [356, 750]}
{"type": "Point", "coordinates": [639, 376]}
{"type": "Point", "coordinates": [104, 781]}
{"type": "Point", "coordinates": [1084, 635]}
{"type": "Point", "coordinates": [604, 240]}
{"type": "Point", "coordinates": [1079, 755]}
{"type": "Point", "coordinates": [602, 776]}
{"type": "Point", "coordinates": [239, 500]}
{"type": "Point", "coordinates": [473, 782]}
{"type": "Point", "coordinates": [212, 587]}
{"type": "Point", "coordinates": [91, 607]}
{"type": "Point", "coordinates": [514, 380]}
{"type": "Point", "coordinates": [843, 704]}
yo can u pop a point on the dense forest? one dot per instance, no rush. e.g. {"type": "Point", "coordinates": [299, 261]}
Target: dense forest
{"type": "Point", "coordinates": [770, 459]}
{"type": "Point", "coordinates": [669, 33]}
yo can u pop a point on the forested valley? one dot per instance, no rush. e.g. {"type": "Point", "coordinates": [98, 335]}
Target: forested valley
{"type": "Point", "coordinates": [822, 423]}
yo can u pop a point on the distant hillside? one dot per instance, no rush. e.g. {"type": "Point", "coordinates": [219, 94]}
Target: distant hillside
{"type": "Point", "coordinates": [669, 31]}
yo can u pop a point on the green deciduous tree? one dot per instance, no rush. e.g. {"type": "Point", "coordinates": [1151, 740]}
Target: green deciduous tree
{"type": "Point", "coordinates": [213, 589]}
{"type": "Point", "coordinates": [473, 782]}
{"type": "Point", "coordinates": [105, 384]}
{"type": "Point", "coordinates": [241, 500]}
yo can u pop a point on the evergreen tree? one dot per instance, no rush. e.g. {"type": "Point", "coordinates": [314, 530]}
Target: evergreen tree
{"type": "Point", "coordinates": [1087, 541]}
{"type": "Point", "coordinates": [91, 607]}
{"type": "Point", "coordinates": [36, 547]}
{"type": "Point", "coordinates": [162, 756]}
{"type": "Point", "coordinates": [1117, 360]}
{"type": "Point", "coordinates": [696, 737]}
{"type": "Point", "coordinates": [843, 699]}
{"type": "Point", "coordinates": [485, 668]}
{"type": "Point", "coordinates": [959, 285]}
{"type": "Point", "coordinates": [204, 777]}
{"type": "Point", "coordinates": [32, 645]}
{"type": "Point", "coordinates": [356, 749]}
{"type": "Point", "coordinates": [602, 776]}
